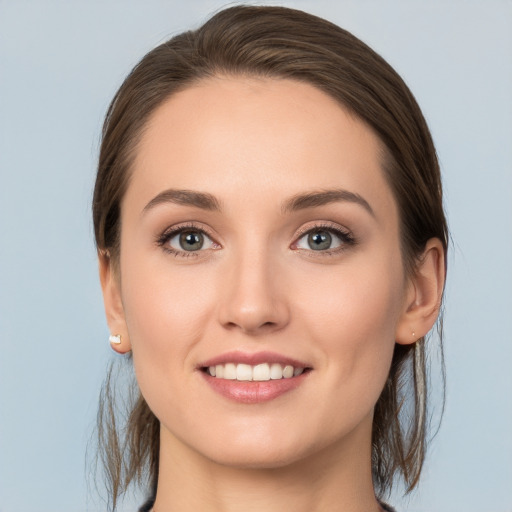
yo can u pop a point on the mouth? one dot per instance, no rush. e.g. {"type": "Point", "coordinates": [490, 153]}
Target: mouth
{"type": "Point", "coordinates": [254, 373]}
{"type": "Point", "coordinates": [253, 378]}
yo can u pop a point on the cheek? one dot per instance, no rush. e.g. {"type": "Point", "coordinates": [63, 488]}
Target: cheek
{"type": "Point", "coordinates": [166, 315]}
{"type": "Point", "coordinates": [352, 314]}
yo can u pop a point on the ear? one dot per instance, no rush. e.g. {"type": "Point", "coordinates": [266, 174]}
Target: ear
{"type": "Point", "coordinates": [114, 311]}
{"type": "Point", "coordinates": [424, 294]}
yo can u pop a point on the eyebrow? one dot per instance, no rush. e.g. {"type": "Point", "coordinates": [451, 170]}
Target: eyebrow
{"type": "Point", "coordinates": [324, 197]}
{"type": "Point", "coordinates": [209, 202]}
{"type": "Point", "coordinates": [201, 200]}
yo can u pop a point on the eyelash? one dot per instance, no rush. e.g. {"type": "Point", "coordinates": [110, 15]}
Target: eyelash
{"type": "Point", "coordinates": [346, 237]}
{"type": "Point", "coordinates": [163, 240]}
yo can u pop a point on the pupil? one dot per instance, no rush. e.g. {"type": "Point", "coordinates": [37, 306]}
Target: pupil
{"type": "Point", "coordinates": [320, 240]}
{"type": "Point", "coordinates": [191, 241]}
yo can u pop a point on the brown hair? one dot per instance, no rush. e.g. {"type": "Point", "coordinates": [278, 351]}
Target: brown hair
{"type": "Point", "coordinates": [283, 43]}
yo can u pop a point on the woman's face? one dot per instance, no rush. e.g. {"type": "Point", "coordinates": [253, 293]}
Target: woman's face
{"type": "Point", "coordinates": [260, 238]}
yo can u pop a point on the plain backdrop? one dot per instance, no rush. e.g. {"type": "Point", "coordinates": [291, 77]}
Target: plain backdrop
{"type": "Point", "coordinates": [60, 64]}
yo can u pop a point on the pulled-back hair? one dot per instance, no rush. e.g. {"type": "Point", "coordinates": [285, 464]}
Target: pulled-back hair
{"type": "Point", "coordinates": [280, 43]}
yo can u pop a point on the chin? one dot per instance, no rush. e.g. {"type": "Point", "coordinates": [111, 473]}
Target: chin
{"type": "Point", "coordinates": [265, 448]}
{"type": "Point", "coordinates": [257, 458]}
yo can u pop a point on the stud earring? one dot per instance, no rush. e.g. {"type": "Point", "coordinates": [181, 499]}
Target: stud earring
{"type": "Point", "coordinates": [413, 335]}
{"type": "Point", "coordinates": [115, 339]}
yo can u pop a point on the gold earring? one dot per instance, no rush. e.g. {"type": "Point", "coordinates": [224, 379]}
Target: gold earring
{"type": "Point", "coordinates": [115, 339]}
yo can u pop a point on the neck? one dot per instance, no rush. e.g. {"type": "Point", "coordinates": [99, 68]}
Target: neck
{"type": "Point", "coordinates": [335, 479]}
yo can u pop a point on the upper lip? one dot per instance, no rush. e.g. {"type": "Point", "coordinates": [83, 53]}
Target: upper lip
{"type": "Point", "coordinates": [254, 359]}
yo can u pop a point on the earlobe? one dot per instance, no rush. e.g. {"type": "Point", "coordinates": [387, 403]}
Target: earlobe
{"type": "Point", "coordinates": [424, 295]}
{"type": "Point", "coordinates": [114, 310]}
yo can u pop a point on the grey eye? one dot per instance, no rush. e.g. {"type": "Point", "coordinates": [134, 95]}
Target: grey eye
{"type": "Point", "coordinates": [190, 240]}
{"type": "Point", "coordinates": [319, 240]}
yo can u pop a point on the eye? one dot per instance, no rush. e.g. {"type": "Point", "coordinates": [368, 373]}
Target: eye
{"type": "Point", "coordinates": [186, 241]}
{"type": "Point", "coordinates": [190, 240]}
{"type": "Point", "coordinates": [323, 239]}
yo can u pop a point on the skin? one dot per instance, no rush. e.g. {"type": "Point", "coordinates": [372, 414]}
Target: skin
{"type": "Point", "coordinates": [258, 286]}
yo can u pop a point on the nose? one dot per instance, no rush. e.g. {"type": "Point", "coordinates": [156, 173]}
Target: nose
{"type": "Point", "coordinates": [253, 298]}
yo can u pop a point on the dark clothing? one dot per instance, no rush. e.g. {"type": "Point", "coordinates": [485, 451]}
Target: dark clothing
{"type": "Point", "coordinates": [149, 504]}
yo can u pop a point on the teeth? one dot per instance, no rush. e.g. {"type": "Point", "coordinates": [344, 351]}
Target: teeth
{"type": "Point", "coordinates": [260, 372]}
{"type": "Point", "coordinates": [288, 372]}
{"type": "Point", "coordinates": [243, 372]}
{"type": "Point", "coordinates": [276, 371]}
{"type": "Point", "coordinates": [230, 371]}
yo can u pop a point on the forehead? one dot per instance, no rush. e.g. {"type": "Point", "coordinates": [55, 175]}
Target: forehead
{"type": "Point", "coordinates": [231, 136]}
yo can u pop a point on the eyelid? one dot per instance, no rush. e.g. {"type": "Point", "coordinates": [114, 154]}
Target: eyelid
{"type": "Point", "coordinates": [327, 225]}
{"type": "Point", "coordinates": [184, 226]}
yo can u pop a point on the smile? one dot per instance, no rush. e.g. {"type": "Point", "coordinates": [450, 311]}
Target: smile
{"type": "Point", "coordinates": [252, 378]}
{"type": "Point", "coordinates": [260, 372]}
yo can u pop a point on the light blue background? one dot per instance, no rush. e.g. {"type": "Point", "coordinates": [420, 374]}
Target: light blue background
{"type": "Point", "coordinates": [60, 64]}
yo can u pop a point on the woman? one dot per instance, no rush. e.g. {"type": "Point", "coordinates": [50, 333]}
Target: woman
{"type": "Point", "coordinates": [272, 247]}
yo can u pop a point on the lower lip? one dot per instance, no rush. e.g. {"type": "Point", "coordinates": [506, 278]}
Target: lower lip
{"type": "Point", "coordinates": [253, 392]}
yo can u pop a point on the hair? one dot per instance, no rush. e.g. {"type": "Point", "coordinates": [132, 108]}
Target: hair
{"type": "Point", "coordinates": [280, 43]}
